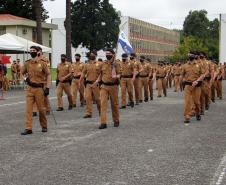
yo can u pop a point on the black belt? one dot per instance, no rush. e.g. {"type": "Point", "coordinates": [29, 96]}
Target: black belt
{"type": "Point", "coordinates": [143, 76]}
{"type": "Point", "coordinates": [110, 83]}
{"type": "Point", "coordinates": [77, 77]}
{"type": "Point", "coordinates": [66, 81]}
{"type": "Point", "coordinates": [138, 75]}
{"type": "Point", "coordinates": [35, 85]}
{"type": "Point", "coordinates": [190, 83]}
{"type": "Point", "coordinates": [207, 78]}
{"type": "Point", "coordinates": [89, 82]}
{"type": "Point", "coordinates": [160, 77]}
{"type": "Point", "coordinates": [126, 76]}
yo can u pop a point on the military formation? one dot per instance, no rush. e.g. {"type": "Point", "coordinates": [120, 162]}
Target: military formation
{"type": "Point", "coordinates": [124, 83]}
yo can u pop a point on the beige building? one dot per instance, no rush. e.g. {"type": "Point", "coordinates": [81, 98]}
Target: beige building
{"type": "Point", "coordinates": [25, 28]}
{"type": "Point", "coordinates": [148, 39]}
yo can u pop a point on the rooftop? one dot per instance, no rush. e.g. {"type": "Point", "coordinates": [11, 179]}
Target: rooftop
{"type": "Point", "coordinates": [12, 20]}
{"type": "Point", "coordinates": [6, 17]}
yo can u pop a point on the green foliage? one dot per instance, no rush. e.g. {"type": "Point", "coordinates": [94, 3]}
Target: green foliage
{"type": "Point", "coordinates": [188, 43]}
{"type": "Point", "coordinates": [199, 34]}
{"type": "Point", "coordinates": [22, 8]}
{"type": "Point", "coordinates": [95, 24]}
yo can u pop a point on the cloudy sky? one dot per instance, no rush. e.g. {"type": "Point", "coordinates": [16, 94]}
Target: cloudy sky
{"type": "Point", "coordinates": [166, 13]}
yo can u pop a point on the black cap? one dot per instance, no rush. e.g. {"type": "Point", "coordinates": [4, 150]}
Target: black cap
{"type": "Point", "coordinates": [110, 50]}
{"type": "Point", "coordinates": [63, 55]}
{"type": "Point", "coordinates": [133, 55]}
{"type": "Point", "coordinates": [94, 52]}
{"type": "Point", "coordinates": [142, 57]}
{"type": "Point", "coordinates": [124, 55]}
{"type": "Point", "coordinates": [78, 55]}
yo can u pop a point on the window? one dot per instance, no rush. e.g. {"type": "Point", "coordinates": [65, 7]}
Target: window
{"type": "Point", "coordinates": [2, 30]}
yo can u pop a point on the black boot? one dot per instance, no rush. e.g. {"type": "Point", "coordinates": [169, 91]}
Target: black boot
{"type": "Point", "coordinates": [151, 98]}
{"type": "Point", "coordinates": [198, 117]}
{"type": "Point", "coordinates": [44, 129]}
{"type": "Point", "coordinates": [26, 132]}
{"type": "Point", "coordinates": [87, 116]}
{"type": "Point", "coordinates": [146, 99]}
{"type": "Point", "coordinates": [103, 126]}
{"type": "Point", "coordinates": [187, 121]}
{"type": "Point", "coordinates": [132, 104]}
{"type": "Point", "coordinates": [60, 109]}
{"type": "Point", "coordinates": [70, 107]}
{"type": "Point", "coordinates": [34, 114]}
{"type": "Point", "coordinates": [116, 124]}
{"type": "Point", "coordinates": [123, 107]}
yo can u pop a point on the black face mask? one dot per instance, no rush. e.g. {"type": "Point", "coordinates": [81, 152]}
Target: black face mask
{"type": "Point", "coordinates": [33, 54]}
{"type": "Point", "coordinates": [131, 58]}
{"type": "Point", "coordinates": [92, 57]}
{"type": "Point", "coordinates": [141, 60]}
{"type": "Point", "coordinates": [109, 57]}
{"type": "Point", "coordinates": [124, 60]}
{"type": "Point", "coordinates": [77, 59]}
{"type": "Point", "coordinates": [191, 58]}
{"type": "Point", "coordinates": [63, 59]}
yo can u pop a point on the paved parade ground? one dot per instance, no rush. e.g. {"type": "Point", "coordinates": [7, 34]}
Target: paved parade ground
{"type": "Point", "coordinates": [152, 146]}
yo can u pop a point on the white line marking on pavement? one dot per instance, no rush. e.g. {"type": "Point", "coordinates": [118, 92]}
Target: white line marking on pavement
{"type": "Point", "coordinates": [150, 150]}
{"type": "Point", "coordinates": [220, 173]}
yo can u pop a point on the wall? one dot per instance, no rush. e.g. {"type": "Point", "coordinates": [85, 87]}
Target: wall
{"type": "Point", "coordinates": [223, 38]}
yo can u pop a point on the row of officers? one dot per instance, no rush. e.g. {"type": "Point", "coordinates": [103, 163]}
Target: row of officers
{"type": "Point", "coordinates": [99, 81]}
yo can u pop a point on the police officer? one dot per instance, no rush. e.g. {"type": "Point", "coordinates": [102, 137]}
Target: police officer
{"type": "Point", "coordinates": [76, 86]}
{"type": "Point", "coordinates": [91, 71]}
{"type": "Point", "coordinates": [37, 74]}
{"type": "Point", "coordinates": [192, 75]}
{"type": "Point", "coordinates": [109, 76]}
{"type": "Point", "coordinates": [128, 74]}
{"type": "Point", "coordinates": [145, 73]}
{"type": "Point", "coordinates": [136, 82]}
{"type": "Point", "coordinates": [64, 75]}
{"type": "Point", "coordinates": [161, 77]}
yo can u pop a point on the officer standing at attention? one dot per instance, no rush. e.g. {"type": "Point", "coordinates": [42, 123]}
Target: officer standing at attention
{"type": "Point", "coordinates": [136, 82]}
{"type": "Point", "coordinates": [37, 74]}
{"type": "Point", "coordinates": [91, 71]}
{"type": "Point", "coordinates": [145, 73]}
{"type": "Point", "coordinates": [128, 75]}
{"type": "Point", "coordinates": [64, 75]}
{"type": "Point", "coordinates": [109, 76]}
{"type": "Point", "coordinates": [76, 86]}
{"type": "Point", "coordinates": [161, 77]}
{"type": "Point", "coordinates": [192, 76]}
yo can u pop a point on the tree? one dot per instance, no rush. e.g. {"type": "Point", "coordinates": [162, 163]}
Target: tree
{"type": "Point", "coordinates": [188, 44]}
{"type": "Point", "coordinates": [196, 24]}
{"type": "Point", "coordinates": [95, 24]}
{"type": "Point", "coordinates": [22, 8]}
{"type": "Point", "coordinates": [68, 29]}
{"type": "Point", "coordinates": [37, 4]}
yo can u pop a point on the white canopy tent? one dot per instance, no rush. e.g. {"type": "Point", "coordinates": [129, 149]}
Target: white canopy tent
{"type": "Point", "coordinates": [10, 42]}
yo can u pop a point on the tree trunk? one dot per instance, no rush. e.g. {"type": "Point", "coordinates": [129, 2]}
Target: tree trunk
{"type": "Point", "coordinates": [37, 5]}
{"type": "Point", "coordinates": [68, 30]}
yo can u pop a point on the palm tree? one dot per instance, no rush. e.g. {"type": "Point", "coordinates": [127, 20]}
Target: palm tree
{"type": "Point", "coordinates": [68, 30]}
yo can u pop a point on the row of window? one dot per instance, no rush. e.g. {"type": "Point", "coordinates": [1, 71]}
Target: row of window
{"type": "Point", "coordinates": [149, 32]}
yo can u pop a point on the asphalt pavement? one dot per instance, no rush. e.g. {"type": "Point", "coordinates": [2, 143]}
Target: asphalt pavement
{"type": "Point", "coordinates": [152, 146]}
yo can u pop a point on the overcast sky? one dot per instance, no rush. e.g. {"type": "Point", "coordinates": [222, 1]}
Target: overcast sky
{"type": "Point", "coordinates": [166, 13]}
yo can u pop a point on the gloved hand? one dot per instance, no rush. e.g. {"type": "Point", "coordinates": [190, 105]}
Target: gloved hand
{"type": "Point", "coordinates": [46, 91]}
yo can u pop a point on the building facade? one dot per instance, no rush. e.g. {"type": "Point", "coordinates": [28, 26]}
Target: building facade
{"type": "Point", "coordinates": [26, 29]}
{"type": "Point", "coordinates": [150, 40]}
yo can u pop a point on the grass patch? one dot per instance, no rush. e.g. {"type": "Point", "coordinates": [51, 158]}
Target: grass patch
{"type": "Point", "coordinates": [53, 73]}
